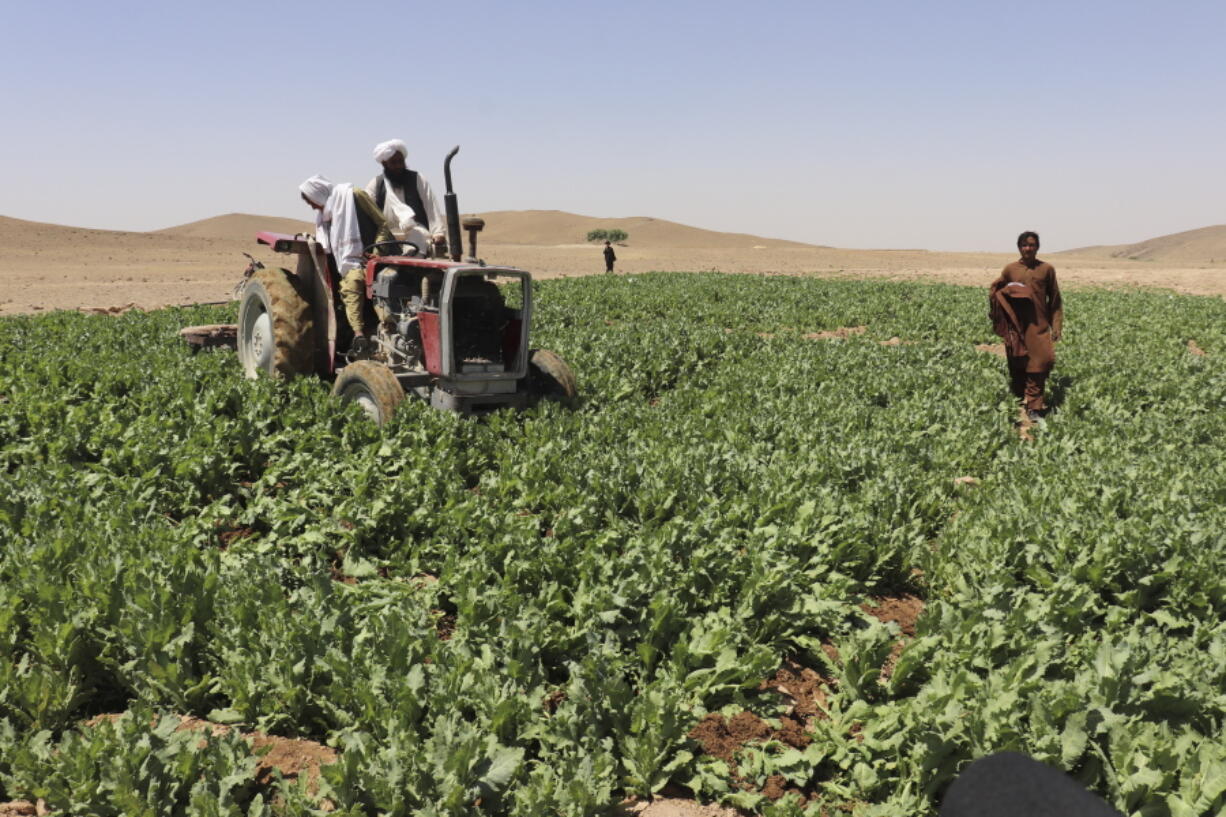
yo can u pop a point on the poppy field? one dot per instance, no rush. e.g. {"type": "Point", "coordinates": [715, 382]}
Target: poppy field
{"type": "Point", "coordinates": [787, 552]}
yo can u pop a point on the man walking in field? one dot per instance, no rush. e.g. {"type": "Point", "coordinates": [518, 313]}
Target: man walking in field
{"type": "Point", "coordinates": [346, 222]}
{"type": "Point", "coordinates": [1025, 308]}
{"type": "Point", "coordinates": [609, 257]}
{"type": "Point", "coordinates": [405, 198]}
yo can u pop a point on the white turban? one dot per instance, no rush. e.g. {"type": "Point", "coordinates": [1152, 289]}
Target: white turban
{"type": "Point", "coordinates": [385, 150]}
{"type": "Point", "coordinates": [317, 189]}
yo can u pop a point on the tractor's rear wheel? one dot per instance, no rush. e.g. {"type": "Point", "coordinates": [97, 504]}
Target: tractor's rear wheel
{"type": "Point", "coordinates": [550, 378]}
{"type": "Point", "coordinates": [276, 333]}
{"type": "Point", "coordinates": [372, 386]}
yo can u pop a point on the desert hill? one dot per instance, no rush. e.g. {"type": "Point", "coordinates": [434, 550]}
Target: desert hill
{"type": "Point", "coordinates": [240, 226]}
{"type": "Point", "coordinates": [542, 228]}
{"type": "Point", "coordinates": [557, 228]}
{"type": "Point", "coordinates": [52, 266]}
{"type": "Point", "coordinates": [539, 228]}
{"type": "Point", "coordinates": [19, 235]}
{"type": "Point", "coordinates": [1203, 246]}
{"type": "Point", "coordinates": [40, 238]}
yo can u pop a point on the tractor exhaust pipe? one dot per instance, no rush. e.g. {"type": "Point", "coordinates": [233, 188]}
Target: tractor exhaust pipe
{"type": "Point", "coordinates": [455, 245]}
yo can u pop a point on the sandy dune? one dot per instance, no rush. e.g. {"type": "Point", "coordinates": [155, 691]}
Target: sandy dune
{"type": "Point", "coordinates": [1206, 245]}
{"type": "Point", "coordinates": [238, 226]}
{"type": "Point", "coordinates": [554, 228]}
{"type": "Point", "coordinates": [46, 266]}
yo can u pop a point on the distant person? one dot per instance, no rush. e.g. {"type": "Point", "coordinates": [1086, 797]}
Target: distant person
{"type": "Point", "coordinates": [609, 257]}
{"type": "Point", "coordinates": [346, 222]}
{"type": "Point", "coordinates": [404, 196]}
{"type": "Point", "coordinates": [1010, 784]}
{"type": "Point", "coordinates": [1025, 308]}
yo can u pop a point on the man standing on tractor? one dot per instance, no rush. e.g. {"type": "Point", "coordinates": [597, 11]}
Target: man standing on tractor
{"type": "Point", "coordinates": [404, 197]}
{"type": "Point", "coordinates": [346, 222]}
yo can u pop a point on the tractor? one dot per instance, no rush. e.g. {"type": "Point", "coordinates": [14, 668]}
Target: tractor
{"type": "Point", "coordinates": [453, 332]}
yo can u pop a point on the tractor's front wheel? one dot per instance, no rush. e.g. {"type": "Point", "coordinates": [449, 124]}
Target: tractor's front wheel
{"type": "Point", "coordinates": [372, 386]}
{"type": "Point", "coordinates": [276, 333]}
{"type": "Point", "coordinates": [550, 378]}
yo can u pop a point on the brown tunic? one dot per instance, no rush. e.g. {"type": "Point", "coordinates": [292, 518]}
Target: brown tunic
{"type": "Point", "coordinates": [1039, 318]}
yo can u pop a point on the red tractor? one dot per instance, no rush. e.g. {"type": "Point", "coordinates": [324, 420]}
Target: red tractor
{"type": "Point", "coordinates": [450, 331]}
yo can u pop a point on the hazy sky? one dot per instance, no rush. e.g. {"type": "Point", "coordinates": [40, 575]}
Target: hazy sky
{"type": "Point", "coordinates": [861, 123]}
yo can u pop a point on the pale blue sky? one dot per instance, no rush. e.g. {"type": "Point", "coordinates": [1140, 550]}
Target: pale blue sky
{"type": "Point", "coordinates": [879, 123]}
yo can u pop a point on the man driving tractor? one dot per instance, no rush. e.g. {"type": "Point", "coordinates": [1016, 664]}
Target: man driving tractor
{"type": "Point", "coordinates": [406, 200]}
{"type": "Point", "coordinates": [347, 221]}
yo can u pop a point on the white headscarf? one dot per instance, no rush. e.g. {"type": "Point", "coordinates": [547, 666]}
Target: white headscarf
{"type": "Point", "coordinates": [385, 150]}
{"type": "Point", "coordinates": [336, 225]}
{"type": "Point", "coordinates": [317, 189]}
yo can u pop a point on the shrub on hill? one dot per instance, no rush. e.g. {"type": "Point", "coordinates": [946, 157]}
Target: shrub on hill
{"type": "Point", "coordinates": [616, 236]}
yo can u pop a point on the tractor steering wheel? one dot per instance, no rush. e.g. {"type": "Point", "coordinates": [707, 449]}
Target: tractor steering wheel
{"type": "Point", "coordinates": [407, 248]}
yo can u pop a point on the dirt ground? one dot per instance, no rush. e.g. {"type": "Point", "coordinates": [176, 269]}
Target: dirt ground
{"type": "Point", "coordinates": [47, 267]}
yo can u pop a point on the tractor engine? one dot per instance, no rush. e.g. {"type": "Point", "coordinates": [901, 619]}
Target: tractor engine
{"type": "Point", "coordinates": [398, 303]}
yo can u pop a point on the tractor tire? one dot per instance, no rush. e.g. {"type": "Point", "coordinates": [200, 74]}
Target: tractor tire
{"type": "Point", "coordinates": [372, 386]}
{"type": "Point", "coordinates": [549, 378]}
{"type": "Point", "coordinates": [276, 333]}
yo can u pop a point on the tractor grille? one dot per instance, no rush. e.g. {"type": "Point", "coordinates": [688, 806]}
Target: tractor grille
{"type": "Point", "coordinates": [479, 319]}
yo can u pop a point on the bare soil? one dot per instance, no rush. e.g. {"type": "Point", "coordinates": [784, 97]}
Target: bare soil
{"type": "Point", "coordinates": [904, 611]}
{"type": "Point", "coordinates": [46, 266]}
{"type": "Point", "coordinates": [997, 349]}
{"type": "Point", "coordinates": [803, 691]}
{"type": "Point", "coordinates": [724, 737]}
{"type": "Point", "coordinates": [673, 807]}
{"type": "Point", "coordinates": [842, 333]}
